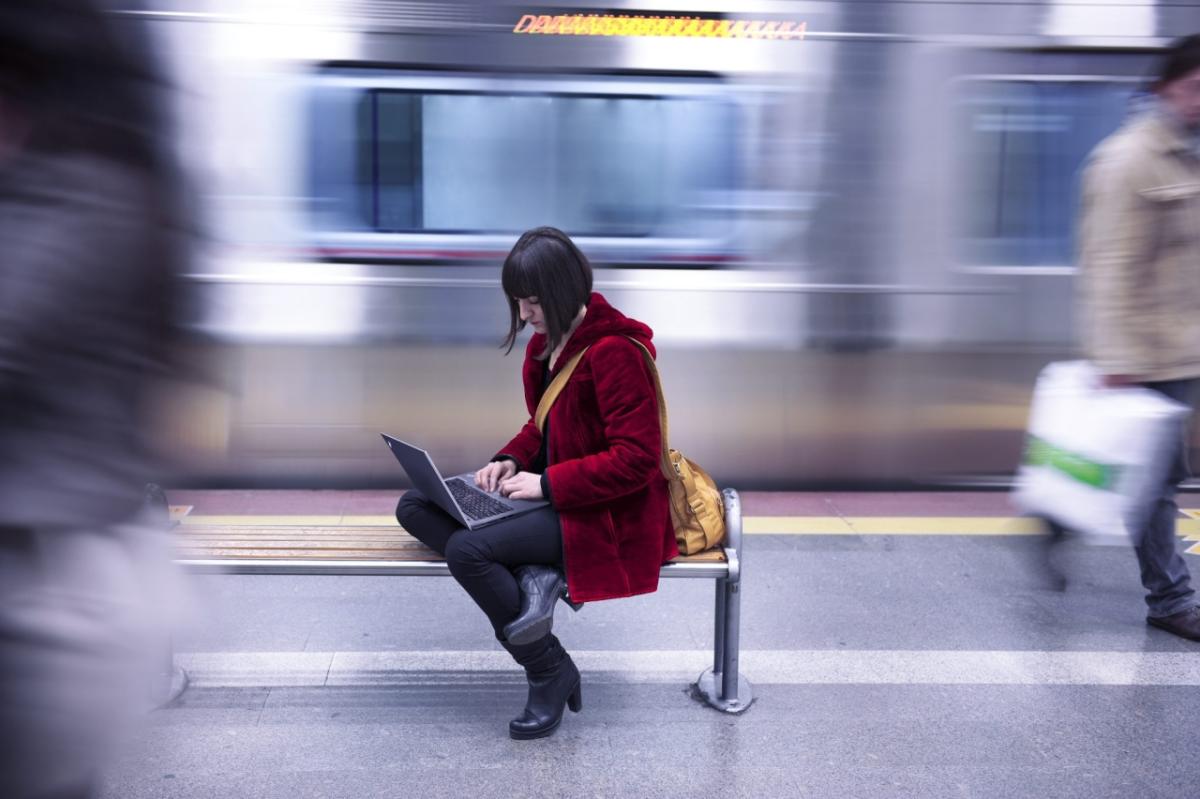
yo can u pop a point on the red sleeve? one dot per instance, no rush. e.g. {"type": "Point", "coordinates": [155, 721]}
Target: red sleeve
{"type": "Point", "coordinates": [629, 416]}
{"type": "Point", "coordinates": [524, 447]}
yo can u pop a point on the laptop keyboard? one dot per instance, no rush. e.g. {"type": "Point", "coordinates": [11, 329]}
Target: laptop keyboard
{"type": "Point", "coordinates": [474, 503]}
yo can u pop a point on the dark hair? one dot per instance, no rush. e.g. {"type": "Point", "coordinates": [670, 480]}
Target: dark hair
{"type": "Point", "coordinates": [1182, 57]}
{"type": "Point", "coordinates": [546, 264]}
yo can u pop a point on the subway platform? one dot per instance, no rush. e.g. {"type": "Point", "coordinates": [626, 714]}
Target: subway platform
{"type": "Point", "coordinates": [900, 645]}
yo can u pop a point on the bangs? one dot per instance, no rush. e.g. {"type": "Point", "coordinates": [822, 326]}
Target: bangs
{"type": "Point", "coordinates": [546, 264]}
{"type": "Point", "coordinates": [519, 276]}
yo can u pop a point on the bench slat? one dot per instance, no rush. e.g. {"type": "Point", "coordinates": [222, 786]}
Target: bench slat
{"type": "Point", "coordinates": [310, 554]}
{"type": "Point", "coordinates": [431, 568]}
{"type": "Point", "coordinates": [399, 556]}
{"type": "Point", "coordinates": [235, 543]}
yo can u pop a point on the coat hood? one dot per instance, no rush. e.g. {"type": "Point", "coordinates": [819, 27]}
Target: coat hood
{"type": "Point", "coordinates": [601, 320]}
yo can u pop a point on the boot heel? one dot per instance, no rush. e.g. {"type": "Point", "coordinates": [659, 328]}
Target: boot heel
{"type": "Point", "coordinates": [575, 700]}
{"type": "Point", "coordinates": [566, 598]}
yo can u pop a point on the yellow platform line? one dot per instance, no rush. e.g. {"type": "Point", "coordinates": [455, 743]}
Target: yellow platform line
{"type": "Point", "coordinates": [889, 525]}
{"type": "Point", "coordinates": [1190, 528]}
{"type": "Point", "coordinates": [946, 525]}
{"type": "Point", "coordinates": [266, 520]}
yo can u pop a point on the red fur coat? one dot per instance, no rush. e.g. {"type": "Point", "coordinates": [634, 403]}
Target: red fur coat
{"type": "Point", "coordinates": [605, 448]}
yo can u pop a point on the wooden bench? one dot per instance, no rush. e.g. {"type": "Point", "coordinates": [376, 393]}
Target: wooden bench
{"type": "Point", "coordinates": [380, 550]}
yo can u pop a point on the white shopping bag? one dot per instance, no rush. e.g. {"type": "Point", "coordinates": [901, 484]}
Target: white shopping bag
{"type": "Point", "coordinates": [1095, 457]}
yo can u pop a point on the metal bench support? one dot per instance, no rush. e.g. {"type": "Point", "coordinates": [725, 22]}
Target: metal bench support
{"type": "Point", "coordinates": [723, 686]}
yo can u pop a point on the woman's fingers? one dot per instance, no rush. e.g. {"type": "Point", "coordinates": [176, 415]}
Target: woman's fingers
{"type": "Point", "coordinates": [489, 477]}
{"type": "Point", "coordinates": [486, 478]}
{"type": "Point", "coordinates": [503, 471]}
{"type": "Point", "coordinates": [523, 485]}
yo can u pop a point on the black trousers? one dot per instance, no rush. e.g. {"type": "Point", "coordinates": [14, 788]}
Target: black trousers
{"type": "Point", "coordinates": [482, 560]}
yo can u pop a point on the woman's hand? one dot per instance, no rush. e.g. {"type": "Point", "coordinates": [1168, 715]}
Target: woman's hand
{"type": "Point", "coordinates": [489, 477]}
{"type": "Point", "coordinates": [523, 485]}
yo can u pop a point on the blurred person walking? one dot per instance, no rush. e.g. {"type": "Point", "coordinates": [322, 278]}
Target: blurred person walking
{"type": "Point", "coordinates": [89, 246]}
{"type": "Point", "coordinates": [1140, 292]}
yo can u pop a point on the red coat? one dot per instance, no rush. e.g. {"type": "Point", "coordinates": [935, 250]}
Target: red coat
{"type": "Point", "coordinates": [604, 449]}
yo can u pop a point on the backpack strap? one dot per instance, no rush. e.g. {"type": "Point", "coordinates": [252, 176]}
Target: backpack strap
{"type": "Point", "coordinates": [554, 389]}
{"type": "Point", "coordinates": [560, 381]}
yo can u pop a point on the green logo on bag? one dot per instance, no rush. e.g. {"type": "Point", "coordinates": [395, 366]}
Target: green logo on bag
{"type": "Point", "coordinates": [1089, 472]}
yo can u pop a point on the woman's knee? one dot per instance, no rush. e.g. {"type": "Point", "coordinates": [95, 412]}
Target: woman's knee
{"type": "Point", "coordinates": [412, 503]}
{"type": "Point", "coordinates": [465, 552]}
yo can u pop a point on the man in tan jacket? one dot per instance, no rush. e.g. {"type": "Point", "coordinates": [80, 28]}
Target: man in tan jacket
{"type": "Point", "coordinates": [1140, 291]}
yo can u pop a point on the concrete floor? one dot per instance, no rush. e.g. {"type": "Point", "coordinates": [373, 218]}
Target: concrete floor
{"type": "Point", "coordinates": [888, 666]}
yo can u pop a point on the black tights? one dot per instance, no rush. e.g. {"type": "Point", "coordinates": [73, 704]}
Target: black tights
{"type": "Point", "coordinates": [482, 560]}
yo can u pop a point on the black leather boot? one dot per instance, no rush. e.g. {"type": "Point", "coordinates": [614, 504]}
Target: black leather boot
{"type": "Point", "coordinates": [554, 682]}
{"type": "Point", "coordinates": [541, 588]}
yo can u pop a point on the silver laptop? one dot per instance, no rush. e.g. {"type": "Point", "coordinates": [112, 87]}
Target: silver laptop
{"type": "Point", "coordinates": [459, 496]}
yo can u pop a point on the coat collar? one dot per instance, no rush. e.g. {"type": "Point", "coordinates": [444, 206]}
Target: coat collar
{"type": "Point", "coordinates": [600, 321]}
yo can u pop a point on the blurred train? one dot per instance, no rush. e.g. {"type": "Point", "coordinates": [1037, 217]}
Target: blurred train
{"type": "Point", "coordinates": [854, 248]}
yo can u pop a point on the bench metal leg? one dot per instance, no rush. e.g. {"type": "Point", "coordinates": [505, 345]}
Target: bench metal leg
{"type": "Point", "coordinates": [730, 684]}
{"type": "Point", "coordinates": [718, 666]}
{"type": "Point", "coordinates": [723, 686]}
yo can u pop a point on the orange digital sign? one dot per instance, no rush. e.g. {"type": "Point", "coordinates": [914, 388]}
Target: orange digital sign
{"type": "Point", "coordinates": [682, 27]}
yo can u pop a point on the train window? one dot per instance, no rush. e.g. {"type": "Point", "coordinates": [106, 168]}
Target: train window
{"type": "Point", "coordinates": [1023, 144]}
{"type": "Point", "coordinates": [595, 164]}
{"type": "Point", "coordinates": [389, 162]}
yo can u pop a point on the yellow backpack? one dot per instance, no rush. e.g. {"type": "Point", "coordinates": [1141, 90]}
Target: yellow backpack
{"type": "Point", "coordinates": [697, 512]}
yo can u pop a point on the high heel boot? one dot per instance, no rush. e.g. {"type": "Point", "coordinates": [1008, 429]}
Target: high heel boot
{"type": "Point", "coordinates": [541, 588]}
{"type": "Point", "coordinates": [554, 681]}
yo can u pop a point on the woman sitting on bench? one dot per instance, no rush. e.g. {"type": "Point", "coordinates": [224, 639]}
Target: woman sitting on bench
{"type": "Point", "coordinates": [608, 525]}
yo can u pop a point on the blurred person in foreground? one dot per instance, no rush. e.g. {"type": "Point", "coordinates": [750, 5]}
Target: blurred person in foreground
{"type": "Point", "coordinates": [88, 247]}
{"type": "Point", "coordinates": [1140, 280]}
